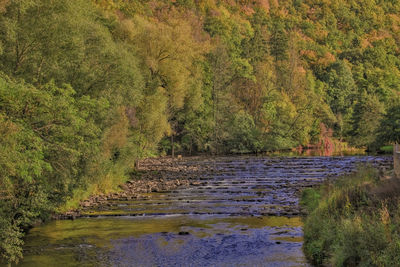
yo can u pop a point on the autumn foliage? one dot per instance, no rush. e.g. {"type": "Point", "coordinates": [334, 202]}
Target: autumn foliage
{"type": "Point", "coordinates": [89, 87]}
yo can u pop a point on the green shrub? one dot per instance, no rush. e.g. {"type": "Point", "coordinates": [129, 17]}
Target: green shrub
{"type": "Point", "coordinates": [351, 222]}
{"type": "Point", "coordinates": [310, 199]}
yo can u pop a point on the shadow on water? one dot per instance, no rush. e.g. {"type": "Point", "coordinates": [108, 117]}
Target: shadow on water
{"type": "Point", "coordinates": [243, 212]}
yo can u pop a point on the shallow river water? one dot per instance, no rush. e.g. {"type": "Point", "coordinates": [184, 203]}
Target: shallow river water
{"type": "Point", "coordinates": [243, 212]}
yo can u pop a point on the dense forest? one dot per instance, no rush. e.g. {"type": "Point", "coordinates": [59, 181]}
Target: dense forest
{"type": "Point", "coordinates": [89, 87]}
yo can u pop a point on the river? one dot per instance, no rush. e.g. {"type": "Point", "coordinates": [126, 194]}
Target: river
{"type": "Point", "coordinates": [242, 212]}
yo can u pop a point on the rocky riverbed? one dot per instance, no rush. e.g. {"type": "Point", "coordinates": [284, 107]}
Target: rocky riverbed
{"type": "Point", "coordinates": [222, 211]}
{"type": "Point", "coordinates": [273, 183]}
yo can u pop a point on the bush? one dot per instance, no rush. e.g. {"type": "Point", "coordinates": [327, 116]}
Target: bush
{"type": "Point", "coordinates": [351, 222]}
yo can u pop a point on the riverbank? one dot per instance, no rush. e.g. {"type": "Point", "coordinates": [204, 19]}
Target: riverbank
{"type": "Point", "coordinates": [152, 175]}
{"type": "Point", "coordinates": [353, 221]}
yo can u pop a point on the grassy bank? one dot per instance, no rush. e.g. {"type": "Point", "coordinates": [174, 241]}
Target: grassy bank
{"type": "Point", "coordinates": [386, 149]}
{"type": "Point", "coordinates": [353, 221]}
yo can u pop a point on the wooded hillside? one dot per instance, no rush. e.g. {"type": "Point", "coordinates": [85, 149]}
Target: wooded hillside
{"type": "Point", "coordinates": [87, 88]}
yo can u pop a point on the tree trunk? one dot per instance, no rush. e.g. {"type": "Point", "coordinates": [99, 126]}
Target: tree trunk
{"type": "Point", "coordinates": [172, 146]}
{"type": "Point", "coordinates": [137, 164]}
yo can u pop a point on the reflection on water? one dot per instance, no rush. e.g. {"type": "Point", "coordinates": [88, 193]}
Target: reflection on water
{"type": "Point", "coordinates": [207, 240]}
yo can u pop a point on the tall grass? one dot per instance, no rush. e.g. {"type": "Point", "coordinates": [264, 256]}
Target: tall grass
{"type": "Point", "coordinates": [353, 221]}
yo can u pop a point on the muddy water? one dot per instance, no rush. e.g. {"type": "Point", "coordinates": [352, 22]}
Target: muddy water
{"type": "Point", "coordinates": [242, 212]}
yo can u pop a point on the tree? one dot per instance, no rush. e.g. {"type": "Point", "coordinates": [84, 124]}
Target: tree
{"type": "Point", "coordinates": [341, 90]}
{"type": "Point", "coordinates": [389, 128]}
{"type": "Point", "coordinates": [169, 52]}
{"type": "Point", "coordinates": [279, 41]}
{"type": "Point", "coordinates": [48, 140]}
{"type": "Point", "coordinates": [367, 112]}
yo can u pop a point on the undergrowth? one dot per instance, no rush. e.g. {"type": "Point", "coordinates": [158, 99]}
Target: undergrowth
{"type": "Point", "coordinates": [353, 221]}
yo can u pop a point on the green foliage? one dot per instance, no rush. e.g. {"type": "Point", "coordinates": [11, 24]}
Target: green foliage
{"type": "Point", "coordinates": [341, 87]}
{"type": "Point", "coordinates": [367, 112]}
{"type": "Point", "coordinates": [389, 130]}
{"type": "Point", "coordinates": [89, 87]}
{"type": "Point", "coordinates": [45, 141]}
{"type": "Point", "coordinates": [243, 134]}
{"type": "Point", "coordinates": [310, 199]}
{"type": "Point", "coordinates": [352, 221]}
{"type": "Point", "coordinates": [386, 149]}
{"type": "Point", "coordinates": [279, 41]}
